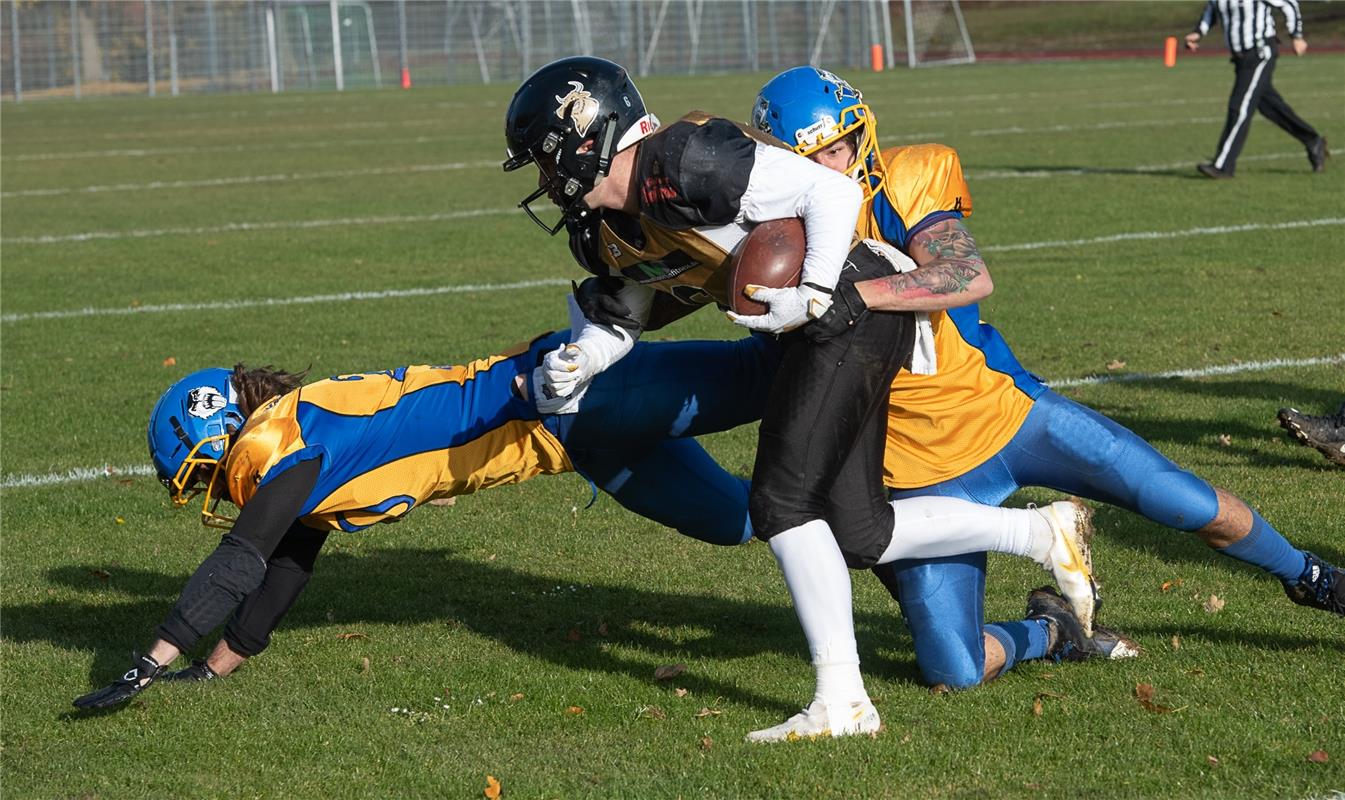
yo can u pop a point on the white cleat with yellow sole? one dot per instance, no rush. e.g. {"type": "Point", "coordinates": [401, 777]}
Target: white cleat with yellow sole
{"type": "Point", "coordinates": [819, 721]}
{"type": "Point", "coordinates": [1071, 558]}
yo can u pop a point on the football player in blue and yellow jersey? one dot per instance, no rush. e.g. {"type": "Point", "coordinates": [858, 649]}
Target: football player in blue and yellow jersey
{"type": "Point", "coordinates": [981, 426]}
{"type": "Point", "coordinates": [302, 462]}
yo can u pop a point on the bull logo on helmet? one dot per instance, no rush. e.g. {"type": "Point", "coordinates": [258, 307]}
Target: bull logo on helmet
{"type": "Point", "coordinates": [580, 106]}
{"type": "Point", "coordinates": [205, 402]}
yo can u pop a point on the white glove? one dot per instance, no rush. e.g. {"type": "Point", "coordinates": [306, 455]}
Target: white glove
{"type": "Point", "coordinates": [564, 370]}
{"type": "Point", "coordinates": [555, 404]}
{"type": "Point", "coordinates": [790, 308]}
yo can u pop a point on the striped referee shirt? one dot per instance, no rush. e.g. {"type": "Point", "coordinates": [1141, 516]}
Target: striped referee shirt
{"type": "Point", "coordinates": [1248, 23]}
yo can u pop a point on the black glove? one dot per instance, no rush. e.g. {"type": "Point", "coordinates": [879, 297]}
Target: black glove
{"type": "Point", "coordinates": [198, 671]}
{"type": "Point", "coordinates": [124, 688]}
{"type": "Point", "coordinates": [847, 308]}
{"type": "Point", "coordinates": [597, 298]}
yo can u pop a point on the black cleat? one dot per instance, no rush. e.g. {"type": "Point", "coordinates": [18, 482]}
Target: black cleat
{"type": "Point", "coordinates": [1325, 433]}
{"type": "Point", "coordinates": [1067, 641]}
{"type": "Point", "coordinates": [1211, 171]}
{"type": "Point", "coordinates": [1112, 644]}
{"type": "Point", "coordinates": [1320, 586]}
{"type": "Point", "coordinates": [1318, 154]}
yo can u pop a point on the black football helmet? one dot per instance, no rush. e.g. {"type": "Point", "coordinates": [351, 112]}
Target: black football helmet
{"type": "Point", "coordinates": [560, 108]}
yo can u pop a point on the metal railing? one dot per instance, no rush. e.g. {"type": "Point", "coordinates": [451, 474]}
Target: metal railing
{"type": "Point", "coordinates": [76, 48]}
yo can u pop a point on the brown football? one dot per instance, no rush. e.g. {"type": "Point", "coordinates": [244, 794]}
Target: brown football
{"type": "Point", "coordinates": [771, 255]}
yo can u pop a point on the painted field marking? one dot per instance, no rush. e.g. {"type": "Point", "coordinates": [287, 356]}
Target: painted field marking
{"type": "Point", "coordinates": [1000, 174]}
{"type": "Point", "coordinates": [81, 474]}
{"type": "Point", "coordinates": [1147, 235]}
{"type": "Point", "coordinates": [284, 177]}
{"type": "Point", "coordinates": [228, 305]}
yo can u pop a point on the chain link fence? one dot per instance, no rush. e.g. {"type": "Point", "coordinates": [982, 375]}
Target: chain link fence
{"type": "Point", "coordinates": [98, 47]}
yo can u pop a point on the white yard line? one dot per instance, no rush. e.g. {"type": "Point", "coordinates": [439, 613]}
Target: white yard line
{"type": "Point", "coordinates": [1189, 165]}
{"type": "Point", "coordinates": [1201, 372]}
{"type": "Point", "coordinates": [288, 177]}
{"type": "Point", "coordinates": [268, 302]}
{"type": "Point", "coordinates": [82, 474]}
{"type": "Point", "coordinates": [235, 227]}
{"type": "Point", "coordinates": [1148, 235]}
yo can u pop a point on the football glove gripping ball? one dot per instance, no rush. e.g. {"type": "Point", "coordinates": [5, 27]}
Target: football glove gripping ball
{"type": "Point", "coordinates": [598, 299]}
{"type": "Point", "coordinates": [142, 673]}
{"type": "Point", "coordinates": [847, 307]}
{"type": "Point", "coordinates": [198, 671]}
{"type": "Point", "coordinates": [789, 308]}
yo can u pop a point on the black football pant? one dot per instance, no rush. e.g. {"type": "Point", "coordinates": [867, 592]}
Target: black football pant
{"type": "Point", "coordinates": [823, 432]}
{"type": "Point", "coordinates": [1252, 92]}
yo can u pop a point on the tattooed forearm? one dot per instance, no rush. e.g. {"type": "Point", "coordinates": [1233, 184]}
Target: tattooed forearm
{"type": "Point", "coordinates": [943, 277]}
{"type": "Point", "coordinates": [951, 273]}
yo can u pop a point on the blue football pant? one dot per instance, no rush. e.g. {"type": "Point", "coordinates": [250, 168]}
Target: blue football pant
{"type": "Point", "coordinates": [1062, 445]}
{"type": "Point", "coordinates": [632, 434]}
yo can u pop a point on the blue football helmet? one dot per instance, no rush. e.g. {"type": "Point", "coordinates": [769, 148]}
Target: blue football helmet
{"type": "Point", "coordinates": [810, 109]}
{"type": "Point", "coordinates": [190, 430]}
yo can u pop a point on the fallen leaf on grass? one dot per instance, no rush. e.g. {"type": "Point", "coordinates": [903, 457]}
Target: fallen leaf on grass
{"type": "Point", "coordinates": [1225, 440]}
{"type": "Point", "coordinates": [574, 635]}
{"type": "Point", "coordinates": [170, 362]}
{"type": "Point", "coordinates": [493, 789]}
{"type": "Point", "coordinates": [1176, 642]}
{"type": "Point", "coordinates": [101, 574]}
{"type": "Point", "coordinates": [1213, 605]}
{"type": "Point", "coordinates": [1144, 692]}
{"type": "Point", "coordinates": [708, 712]}
{"type": "Point", "coordinates": [1318, 757]}
{"type": "Point", "coordinates": [1116, 364]}
{"type": "Point", "coordinates": [345, 637]}
{"type": "Point", "coordinates": [602, 628]}
{"type": "Point", "coordinates": [576, 710]}
{"type": "Point", "coordinates": [682, 692]}
{"type": "Point", "coordinates": [939, 688]}
{"type": "Point", "coordinates": [1212, 760]}
{"type": "Point", "coordinates": [1037, 704]}
{"type": "Point", "coordinates": [121, 520]}
{"type": "Point", "coordinates": [653, 712]}
{"type": "Point", "coordinates": [443, 501]}
{"type": "Point", "coordinates": [669, 671]}
{"type": "Point", "coordinates": [364, 665]}
{"type": "Point", "coordinates": [706, 743]}
{"type": "Point", "coordinates": [515, 697]}
{"type": "Point", "coordinates": [1172, 584]}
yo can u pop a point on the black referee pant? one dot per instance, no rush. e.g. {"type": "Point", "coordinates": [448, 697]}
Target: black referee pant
{"type": "Point", "coordinates": [823, 433]}
{"type": "Point", "coordinates": [1252, 92]}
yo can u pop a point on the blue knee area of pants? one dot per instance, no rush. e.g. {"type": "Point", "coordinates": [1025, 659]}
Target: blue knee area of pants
{"type": "Point", "coordinates": [942, 601]}
{"type": "Point", "coordinates": [1178, 499]}
{"type": "Point", "coordinates": [674, 483]}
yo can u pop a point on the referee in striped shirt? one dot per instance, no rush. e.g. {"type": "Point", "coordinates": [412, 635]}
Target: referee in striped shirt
{"type": "Point", "coordinates": [1249, 30]}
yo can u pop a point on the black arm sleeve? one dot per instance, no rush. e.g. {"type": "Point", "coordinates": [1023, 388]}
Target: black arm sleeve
{"type": "Point", "coordinates": [239, 564]}
{"type": "Point", "coordinates": [287, 573]}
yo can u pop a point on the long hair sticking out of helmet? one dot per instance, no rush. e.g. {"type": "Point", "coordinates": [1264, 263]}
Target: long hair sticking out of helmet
{"type": "Point", "coordinates": [570, 118]}
{"type": "Point", "coordinates": [194, 424]}
{"type": "Point", "coordinates": [811, 109]}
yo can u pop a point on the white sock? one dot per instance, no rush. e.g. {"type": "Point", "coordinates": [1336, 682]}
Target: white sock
{"type": "Point", "coordinates": [819, 583]}
{"type": "Point", "coordinates": [931, 527]}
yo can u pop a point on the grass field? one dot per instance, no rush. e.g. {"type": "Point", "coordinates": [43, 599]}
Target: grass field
{"type": "Point", "coordinates": [145, 239]}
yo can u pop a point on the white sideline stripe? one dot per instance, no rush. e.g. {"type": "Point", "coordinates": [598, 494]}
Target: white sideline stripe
{"type": "Point", "coordinates": [247, 179]}
{"type": "Point", "coordinates": [80, 474]}
{"type": "Point", "coordinates": [1202, 372]}
{"type": "Point", "coordinates": [141, 152]}
{"type": "Point", "coordinates": [343, 297]}
{"type": "Point", "coordinates": [1144, 235]}
{"type": "Point", "coordinates": [234, 227]}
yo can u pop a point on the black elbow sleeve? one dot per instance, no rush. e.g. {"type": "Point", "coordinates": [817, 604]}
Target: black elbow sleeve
{"type": "Point", "coordinates": [227, 576]}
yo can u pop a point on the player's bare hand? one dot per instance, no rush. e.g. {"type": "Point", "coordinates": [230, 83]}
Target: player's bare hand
{"type": "Point", "coordinates": [1193, 41]}
{"type": "Point", "coordinates": [789, 308]}
{"type": "Point", "coordinates": [132, 682]}
{"type": "Point", "coordinates": [1300, 46]}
